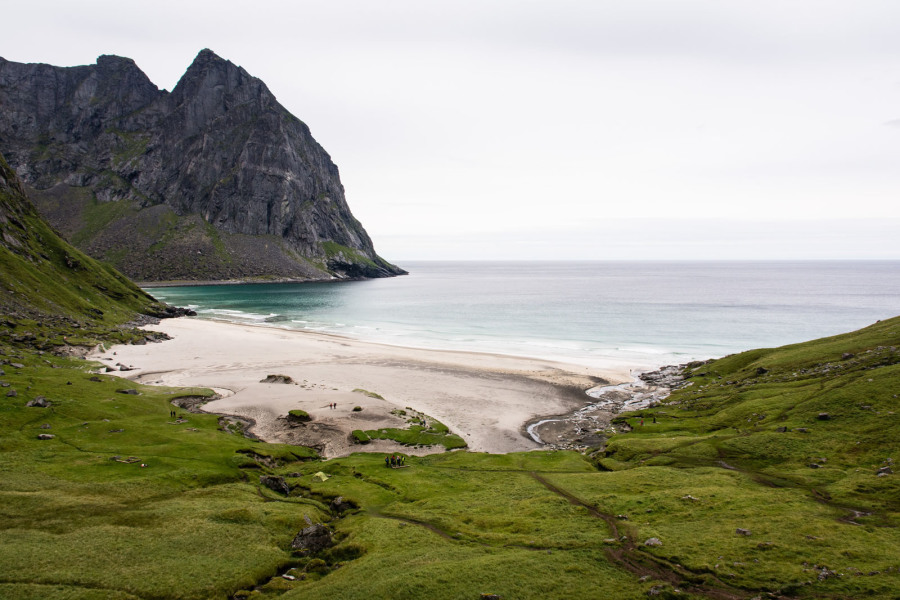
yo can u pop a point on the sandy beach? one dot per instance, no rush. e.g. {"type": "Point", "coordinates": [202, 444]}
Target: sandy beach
{"type": "Point", "coordinates": [485, 398]}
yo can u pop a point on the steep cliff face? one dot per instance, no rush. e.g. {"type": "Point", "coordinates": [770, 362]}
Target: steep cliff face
{"type": "Point", "coordinates": [215, 180]}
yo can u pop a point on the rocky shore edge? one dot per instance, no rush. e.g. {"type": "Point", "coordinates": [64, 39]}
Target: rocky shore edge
{"type": "Point", "coordinates": [587, 427]}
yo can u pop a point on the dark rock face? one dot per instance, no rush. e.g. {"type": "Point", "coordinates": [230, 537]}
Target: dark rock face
{"type": "Point", "coordinates": [275, 483]}
{"type": "Point", "coordinates": [313, 539]}
{"type": "Point", "coordinates": [215, 180]}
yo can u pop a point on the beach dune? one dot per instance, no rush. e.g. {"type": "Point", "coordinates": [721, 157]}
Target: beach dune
{"type": "Point", "coordinates": [485, 398]}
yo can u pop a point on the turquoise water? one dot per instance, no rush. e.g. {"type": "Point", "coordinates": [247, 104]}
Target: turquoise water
{"type": "Point", "coordinates": [597, 314]}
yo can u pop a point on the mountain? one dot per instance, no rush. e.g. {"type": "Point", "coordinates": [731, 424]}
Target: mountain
{"type": "Point", "coordinates": [214, 180]}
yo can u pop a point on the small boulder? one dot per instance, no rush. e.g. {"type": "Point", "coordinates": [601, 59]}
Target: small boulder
{"type": "Point", "coordinates": [885, 471]}
{"type": "Point", "coordinates": [39, 402]}
{"type": "Point", "coordinates": [130, 392]}
{"type": "Point", "coordinates": [653, 542]}
{"type": "Point", "coordinates": [275, 483]}
{"type": "Point", "coordinates": [45, 436]}
{"type": "Point", "coordinates": [313, 539]}
{"type": "Point", "coordinates": [824, 416]}
{"type": "Point", "coordinates": [782, 429]}
{"type": "Point", "coordinates": [761, 370]}
{"type": "Point", "coordinates": [277, 379]}
{"type": "Point", "coordinates": [339, 505]}
{"type": "Point", "coordinates": [11, 394]}
{"type": "Point", "coordinates": [17, 365]}
{"type": "Point", "coordinates": [45, 426]}
{"type": "Point", "coordinates": [740, 531]}
{"type": "Point", "coordinates": [847, 355]}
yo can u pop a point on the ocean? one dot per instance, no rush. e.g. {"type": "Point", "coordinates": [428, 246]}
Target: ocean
{"type": "Point", "coordinates": [599, 314]}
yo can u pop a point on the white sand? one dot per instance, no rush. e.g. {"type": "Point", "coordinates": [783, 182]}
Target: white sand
{"type": "Point", "coordinates": [486, 398]}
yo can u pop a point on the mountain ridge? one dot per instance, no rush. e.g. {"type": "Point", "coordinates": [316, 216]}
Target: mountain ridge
{"type": "Point", "coordinates": [214, 180]}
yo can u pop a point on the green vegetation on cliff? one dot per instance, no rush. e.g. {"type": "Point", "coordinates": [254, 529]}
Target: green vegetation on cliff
{"type": "Point", "coordinates": [44, 276]}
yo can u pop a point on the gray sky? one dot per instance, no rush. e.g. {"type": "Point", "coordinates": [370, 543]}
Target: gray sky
{"type": "Point", "coordinates": [570, 129]}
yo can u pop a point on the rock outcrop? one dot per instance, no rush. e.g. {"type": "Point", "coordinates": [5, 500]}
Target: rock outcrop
{"type": "Point", "coordinates": [213, 180]}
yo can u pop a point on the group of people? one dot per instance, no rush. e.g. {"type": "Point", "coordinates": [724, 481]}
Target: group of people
{"type": "Point", "coordinates": [333, 405]}
{"type": "Point", "coordinates": [394, 461]}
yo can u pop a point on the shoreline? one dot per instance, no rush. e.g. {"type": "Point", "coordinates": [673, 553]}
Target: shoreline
{"type": "Point", "coordinates": [487, 399]}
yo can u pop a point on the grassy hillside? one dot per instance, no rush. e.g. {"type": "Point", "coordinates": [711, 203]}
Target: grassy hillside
{"type": "Point", "coordinates": [734, 503]}
{"type": "Point", "coordinates": [769, 476]}
{"type": "Point", "coordinates": [49, 289]}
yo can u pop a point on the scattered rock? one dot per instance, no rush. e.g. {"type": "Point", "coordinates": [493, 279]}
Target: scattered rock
{"type": "Point", "coordinates": [288, 577]}
{"type": "Point", "coordinates": [885, 471]}
{"type": "Point", "coordinates": [782, 429]}
{"type": "Point", "coordinates": [740, 531]}
{"type": "Point", "coordinates": [824, 416]}
{"type": "Point", "coordinates": [801, 430]}
{"type": "Point", "coordinates": [45, 426]}
{"type": "Point", "coordinates": [653, 542]}
{"type": "Point", "coordinates": [622, 517]}
{"type": "Point", "coordinates": [95, 378]}
{"type": "Point", "coordinates": [814, 466]}
{"type": "Point", "coordinates": [39, 402]}
{"type": "Point", "coordinates": [17, 365]}
{"type": "Point", "coordinates": [130, 392]}
{"type": "Point", "coordinates": [491, 597]}
{"type": "Point", "coordinates": [45, 436]}
{"type": "Point", "coordinates": [761, 370]}
{"type": "Point", "coordinates": [691, 498]}
{"type": "Point", "coordinates": [847, 355]}
{"type": "Point", "coordinates": [11, 394]}
{"type": "Point", "coordinates": [275, 483]}
{"type": "Point", "coordinates": [313, 539]}
{"type": "Point", "coordinates": [116, 430]}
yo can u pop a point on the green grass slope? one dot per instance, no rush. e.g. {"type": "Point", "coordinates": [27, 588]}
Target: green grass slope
{"type": "Point", "coordinates": [125, 501]}
{"type": "Point", "coordinates": [760, 479]}
{"type": "Point", "coordinates": [50, 289]}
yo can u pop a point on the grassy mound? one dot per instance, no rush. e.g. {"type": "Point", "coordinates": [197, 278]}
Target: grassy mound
{"type": "Point", "coordinates": [421, 430]}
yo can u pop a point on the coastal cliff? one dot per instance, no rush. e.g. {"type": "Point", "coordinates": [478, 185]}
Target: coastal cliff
{"type": "Point", "coordinates": [214, 180]}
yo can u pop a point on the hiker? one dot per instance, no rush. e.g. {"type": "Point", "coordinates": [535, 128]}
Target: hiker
{"type": "Point", "coordinates": [387, 461]}
{"type": "Point", "coordinates": [654, 419]}
{"type": "Point", "coordinates": [642, 422]}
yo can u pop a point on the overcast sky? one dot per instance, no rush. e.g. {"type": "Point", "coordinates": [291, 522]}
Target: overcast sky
{"type": "Point", "coordinates": [571, 129]}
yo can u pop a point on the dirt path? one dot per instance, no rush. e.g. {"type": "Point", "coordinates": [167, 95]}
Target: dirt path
{"type": "Point", "coordinates": [644, 564]}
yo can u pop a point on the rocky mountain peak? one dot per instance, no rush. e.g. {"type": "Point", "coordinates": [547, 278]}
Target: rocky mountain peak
{"type": "Point", "coordinates": [217, 168]}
